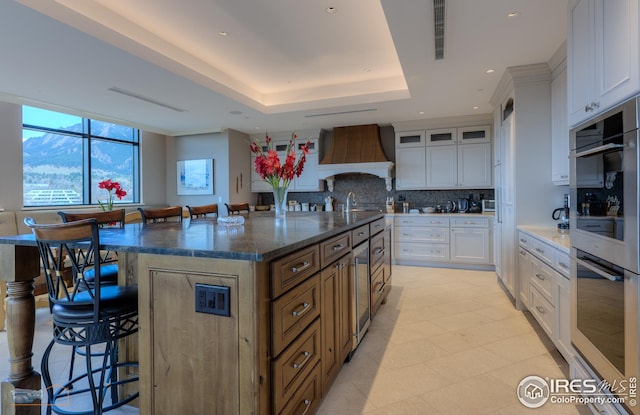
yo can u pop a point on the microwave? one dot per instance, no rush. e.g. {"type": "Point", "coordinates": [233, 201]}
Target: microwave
{"type": "Point", "coordinates": [488, 205]}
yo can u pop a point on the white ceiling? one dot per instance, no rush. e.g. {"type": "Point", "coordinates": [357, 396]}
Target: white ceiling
{"type": "Point", "coordinates": [283, 65]}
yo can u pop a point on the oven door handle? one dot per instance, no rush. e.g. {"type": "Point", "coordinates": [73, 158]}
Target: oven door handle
{"type": "Point", "coordinates": [598, 269]}
{"type": "Point", "coordinates": [599, 149]}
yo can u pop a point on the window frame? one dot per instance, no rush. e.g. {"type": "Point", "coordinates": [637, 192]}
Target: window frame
{"type": "Point", "coordinates": [87, 138]}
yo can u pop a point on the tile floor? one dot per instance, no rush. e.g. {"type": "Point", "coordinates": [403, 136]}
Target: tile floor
{"type": "Point", "coordinates": [447, 342]}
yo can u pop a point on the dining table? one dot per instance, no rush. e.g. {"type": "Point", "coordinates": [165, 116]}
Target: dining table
{"type": "Point", "coordinates": [243, 249]}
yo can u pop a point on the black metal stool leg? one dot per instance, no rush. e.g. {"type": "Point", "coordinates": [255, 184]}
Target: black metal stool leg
{"type": "Point", "coordinates": [46, 376]}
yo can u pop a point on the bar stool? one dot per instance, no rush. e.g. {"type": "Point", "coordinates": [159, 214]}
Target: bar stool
{"type": "Point", "coordinates": [202, 211]}
{"type": "Point", "coordinates": [84, 315]}
{"type": "Point", "coordinates": [108, 260]}
{"type": "Point", "coordinates": [161, 214]}
{"type": "Point", "coordinates": [235, 209]}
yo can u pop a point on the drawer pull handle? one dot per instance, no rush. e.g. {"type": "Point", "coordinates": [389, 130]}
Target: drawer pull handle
{"type": "Point", "coordinates": [301, 267]}
{"type": "Point", "coordinates": [540, 250]}
{"type": "Point", "coordinates": [338, 247]}
{"type": "Point", "coordinates": [307, 404]}
{"type": "Point", "coordinates": [379, 251]}
{"type": "Point", "coordinates": [361, 233]}
{"type": "Point", "coordinates": [468, 222]}
{"type": "Point", "coordinates": [563, 265]}
{"type": "Point", "coordinates": [306, 356]}
{"type": "Point", "coordinates": [540, 277]}
{"type": "Point", "coordinates": [523, 253]}
{"type": "Point", "coordinates": [524, 241]}
{"type": "Point", "coordinates": [540, 309]}
{"type": "Point", "coordinates": [381, 285]}
{"type": "Point", "coordinates": [406, 234]}
{"type": "Point", "coordinates": [436, 222]}
{"type": "Point", "coordinates": [378, 225]}
{"type": "Point", "coordinates": [305, 307]}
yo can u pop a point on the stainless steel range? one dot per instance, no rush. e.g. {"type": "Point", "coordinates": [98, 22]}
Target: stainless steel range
{"type": "Point", "coordinates": [604, 240]}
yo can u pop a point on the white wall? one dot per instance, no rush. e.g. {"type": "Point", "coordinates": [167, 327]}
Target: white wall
{"type": "Point", "coordinates": [10, 156]}
{"type": "Point", "coordinates": [231, 165]}
{"type": "Point", "coordinates": [152, 164]}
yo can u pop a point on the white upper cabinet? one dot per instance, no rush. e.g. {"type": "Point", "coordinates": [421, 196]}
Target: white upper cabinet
{"type": "Point", "coordinates": [442, 167]}
{"type": "Point", "coordinates": [410, 139]}
{"type": "Point", "coordinates": [444, 158]}
{"type": "Point", "coordinates": [559, 128]}
{"type": "Point", "coordinates": [603, 57]}
{"type": "Point", "coordinates": [474, 165]}
{"type": "Point", "coordinates": [410, 168]}
{"type": "Point", "coordinates": [441, 137]}
{"type": "Point", "coordinates": [473, 135]}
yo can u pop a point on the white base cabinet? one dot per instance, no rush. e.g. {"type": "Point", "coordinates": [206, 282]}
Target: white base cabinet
{"type": "Point", "coordinates": [545, 288]}
{"type": "Point", "coordinates": [452, 239]}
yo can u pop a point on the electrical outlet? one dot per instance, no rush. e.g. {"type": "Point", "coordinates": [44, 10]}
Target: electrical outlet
{"type": "Point", "coordinates": [213, 299]}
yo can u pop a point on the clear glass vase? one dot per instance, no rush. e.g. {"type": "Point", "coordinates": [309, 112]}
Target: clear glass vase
{"type": "Point", "coordinates": [280, 200]}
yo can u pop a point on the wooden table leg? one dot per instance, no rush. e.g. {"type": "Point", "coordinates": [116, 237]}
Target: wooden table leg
{"type": "Point", "coordinates": [3, 296]}
{"type": "Point", "coordinates": [19, 265]}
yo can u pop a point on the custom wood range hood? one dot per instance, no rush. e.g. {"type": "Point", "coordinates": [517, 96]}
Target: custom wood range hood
{"type": "Point", "coordinates": [356, 149]}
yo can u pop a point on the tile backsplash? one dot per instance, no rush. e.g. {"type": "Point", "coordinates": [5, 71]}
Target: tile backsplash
{"type": "Point", "coordinates": [370, 193]}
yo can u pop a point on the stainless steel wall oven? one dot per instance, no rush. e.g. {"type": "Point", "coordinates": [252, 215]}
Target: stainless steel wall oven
{"type": "Point", "coordinates": [604, 242]}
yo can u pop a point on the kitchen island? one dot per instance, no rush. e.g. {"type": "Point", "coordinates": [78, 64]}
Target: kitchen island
{"type": "Point", "coordinates": [278, 293]}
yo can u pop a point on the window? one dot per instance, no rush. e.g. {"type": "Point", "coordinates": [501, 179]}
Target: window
{"type": "Point", "coordinates": [66, 156]}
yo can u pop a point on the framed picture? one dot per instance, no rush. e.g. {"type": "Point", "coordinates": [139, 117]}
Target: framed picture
{"type": "Point", "coordinates": [195, 177]}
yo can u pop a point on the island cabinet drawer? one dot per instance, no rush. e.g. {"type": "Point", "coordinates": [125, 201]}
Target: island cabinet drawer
{"type": "Point", "coordinates": [542, 277]}
{"type": "Point", "coordinates": [334, 248]}
{"type": "Point", "coordinates": [293, 312]}
{"type": "Point", "coordinates": [291, 369]}
{"type": "Point", "coordinates": [542, 250]}
{"type": "Point", "coordinates": [421, 221]}
{"type": "Point", "coordinates": [292, 269]}
{"type": "Point", "coordinates": [306, 399]}
{"type": "Point", "coordinates": [377, 251]}
{"type": "Point", "coordinates": [359, 235]}
{"type": "Point", "coordinates": [468, 222]}
{"type": "Point", "coordinates": [423, 235]}
{"type": "Point", "coordinates": [377, 225]}
{"type": "Point", "coordinates": [378, 288]}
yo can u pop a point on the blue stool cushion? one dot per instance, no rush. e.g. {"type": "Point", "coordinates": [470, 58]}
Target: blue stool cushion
{"type": "Point", "coordinates": [108, 274]}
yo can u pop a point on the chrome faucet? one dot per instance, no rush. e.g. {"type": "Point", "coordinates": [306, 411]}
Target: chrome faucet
{"type": "Point", "coordinates": [350, 197]}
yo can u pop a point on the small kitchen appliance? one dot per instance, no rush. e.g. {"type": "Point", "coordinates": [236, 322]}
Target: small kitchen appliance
{"type": "Point", "coordinates": [562, 214]}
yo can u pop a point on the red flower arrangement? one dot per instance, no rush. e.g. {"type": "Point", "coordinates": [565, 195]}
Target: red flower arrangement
{"type": "Point", "coordinates": [110, 187]}
{"type": "Point", "coordinates": [271, 169]}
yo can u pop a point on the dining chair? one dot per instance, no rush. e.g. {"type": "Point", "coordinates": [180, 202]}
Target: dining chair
{"type": "Point", "coordinates": [235, 209]}
{"type": "Point", "coordinates": [168, 214]}
{"type": "Point", "coordinates": [84, 316]}
{"type": "Point", "coordinates": [202, 211]}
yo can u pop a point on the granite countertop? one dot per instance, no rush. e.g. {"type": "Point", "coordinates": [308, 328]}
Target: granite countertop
{"type": "Point", "coordinates": [261, 238]}
{"type": "Point", "coordinates": [549, 235]}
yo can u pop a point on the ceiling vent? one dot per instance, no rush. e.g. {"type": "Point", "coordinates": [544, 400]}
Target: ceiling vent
{"type": "Point", "coordinates": [438, 27]}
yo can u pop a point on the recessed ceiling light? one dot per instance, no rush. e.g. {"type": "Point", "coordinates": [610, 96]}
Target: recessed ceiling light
{"type": "Point", "coordinates": [331, 10]}
{"type": "Point", "coordinates": [490, 70]}
{"type": "Point", "coordinates": [421, 112]}
{"type": "Point", "coordinates": [513, 14]}
{"type": "Point", "coordinates": [476, 107]}
{"type": "Point", "coordinates": [223, 33]}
